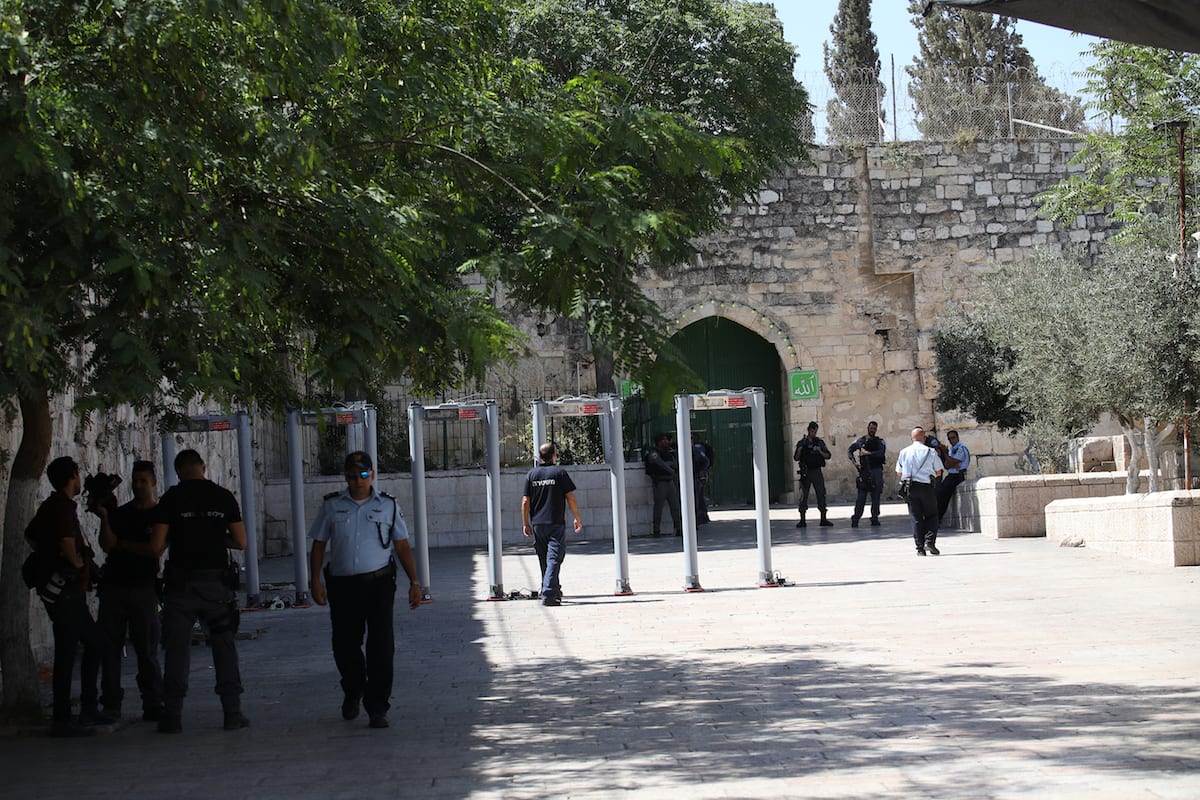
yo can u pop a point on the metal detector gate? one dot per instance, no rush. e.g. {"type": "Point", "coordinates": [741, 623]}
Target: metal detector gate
{"type": "Point", "coordinates": [489, 413]}
{"type": "Point", "coordinates": [202, 423]}
{"type": "Point", "coordinates": [352, 414]}
{"type": "Point", "coordinates": [608, 409]}
{"type": "Point", "coordinates": [716, 400]}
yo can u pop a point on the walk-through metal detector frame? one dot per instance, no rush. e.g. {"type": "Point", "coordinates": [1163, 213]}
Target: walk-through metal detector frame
{"type": "Point", "coordinates": [359, 413]}
{"type": "Point", "coordinates": [717, 400]}
{"type": "Point", "coordinates": [608, 408]}
{"type": "Point", "coordinates": [239, 421]}
{"type": "Point", "coordinates": [488, 412]}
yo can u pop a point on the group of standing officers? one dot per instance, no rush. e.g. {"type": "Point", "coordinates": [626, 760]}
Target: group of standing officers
{"type": "Point", "coordinates": [931, 470]}
{"type": "Point", "coordinates": [360, 530]}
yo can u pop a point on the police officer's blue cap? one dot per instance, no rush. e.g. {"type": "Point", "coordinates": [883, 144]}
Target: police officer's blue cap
{"type": "Point", "coordinates": [358, 460]}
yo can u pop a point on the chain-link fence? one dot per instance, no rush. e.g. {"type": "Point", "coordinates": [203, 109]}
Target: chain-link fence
{"type": "Point", "coordinates": [969, 104]}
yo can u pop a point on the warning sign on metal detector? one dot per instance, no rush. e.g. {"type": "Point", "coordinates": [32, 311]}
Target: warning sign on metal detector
{"type": "Point", "coordinates": [567, 409]}
{"type": "Point", "coordinates": [702, 402]}
{"type": "Point", "coordinates": [468, 413]}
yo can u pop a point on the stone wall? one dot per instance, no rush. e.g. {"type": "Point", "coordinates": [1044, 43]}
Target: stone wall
{"type": "Point", "coordinates": [846, 264]}
{"type": "Point", "coordinates": [1162, 528]}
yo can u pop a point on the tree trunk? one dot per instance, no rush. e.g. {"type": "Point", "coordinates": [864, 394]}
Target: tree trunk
{"type": "Point", "coordinates": [1133, 436]}
{"type": "Point", "coordinates": [1151, 440]}
{"type": "Point", "coordinates": [21, 699]}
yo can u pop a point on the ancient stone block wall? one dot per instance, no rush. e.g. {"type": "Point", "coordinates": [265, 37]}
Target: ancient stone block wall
{"type": "Point", "coordinates": [847, 263]}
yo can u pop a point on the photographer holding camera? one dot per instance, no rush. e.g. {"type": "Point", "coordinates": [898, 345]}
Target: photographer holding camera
{"type": "Point", "coordinates": [810, 456]}
{"type": "Point", "coordinates": [129, 592]}
{"type": "Point", "coordinates": [200, 520]}
{"type": "Point", "coordinates": [65, 574]}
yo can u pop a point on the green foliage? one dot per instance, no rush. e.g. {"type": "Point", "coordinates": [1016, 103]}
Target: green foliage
{"type": "Point", "coordinates": [1065, 341]}
{"type": "Point", "coordinates": [198, 200]}
{"type": "Point", "coordinates": [1131, 173]}
{"type": "Point", "coordinates": [852, 66]}
{"type": "Point", "coordinates": [967, 65]}
{"type": "Point", "coordinates": [969, 369]}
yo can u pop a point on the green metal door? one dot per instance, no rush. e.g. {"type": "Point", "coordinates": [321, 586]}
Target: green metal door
{"type": "Point", "coordinates": [726, 355]}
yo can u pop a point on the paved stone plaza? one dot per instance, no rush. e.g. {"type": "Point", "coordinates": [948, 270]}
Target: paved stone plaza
{"type": "Point", "coordinates": [1001, 669]}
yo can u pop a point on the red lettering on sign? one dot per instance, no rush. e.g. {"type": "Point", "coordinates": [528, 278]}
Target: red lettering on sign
{"type": "Point", "coordinates": [737, 402]}
{"type": "Point", "coordinates": [591, 409]}
{"type": "Point", "coordinates": [220, 425]}
{"type": "Point", "coordinates": [343, 419]}
{"type": "Point", "coordinates": [468, 413]}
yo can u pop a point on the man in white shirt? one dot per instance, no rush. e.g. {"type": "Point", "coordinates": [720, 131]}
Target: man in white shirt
{"type": "Point", "coordinates": [921, 465]}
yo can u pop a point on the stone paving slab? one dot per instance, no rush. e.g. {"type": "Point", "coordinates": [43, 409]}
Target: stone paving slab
{"type": "Point", "coordinates": [1001, 669]}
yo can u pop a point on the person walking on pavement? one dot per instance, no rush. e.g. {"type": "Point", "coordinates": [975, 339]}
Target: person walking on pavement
{"type": "Point", "coordinates": [201, 522]}
{"type": "Point", "coordinates": [662, 468]}
{"type": "Point", "coordinates": [810, 456]}
{"type": "Point", "coordinates": [958, 458]}
{"type": "Point", "coordinates": [129, 594]}
{"type": "Point", "coordinates": [872, 453]}
{"type": "Point", "coordinates": [920, 465]}
{"type": "Point", "coordinates": [549, 490]}
{"type": "Point", "coordinates": [66, 561]}
{"type": "Point", "coordinates": [364, 535]}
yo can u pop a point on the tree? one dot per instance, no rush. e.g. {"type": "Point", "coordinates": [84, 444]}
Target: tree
{"type": "Point", "coordinates": [721, 70]}
{"type": "Point", "coordinates": [196, 202]}
{"type": "Point", "coordinates": [1131, 172]}
{"type": "Point", "coordinates": [973, 76]}
{"type": "Point", "coordinates": [1080, 340]}
{"type": "Point", "coordinates": [852, 66]}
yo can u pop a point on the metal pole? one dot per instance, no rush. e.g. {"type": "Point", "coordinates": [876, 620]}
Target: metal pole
{"type": "Point", "coordinates": [687, 498]}
{"type": "Point", "coordinates": [299, 528]}
{"type": "Point", "coordinates": [168, 457]}
{"type": "Point", "coordinates": [249, 512]}
{"type": "Point", "coordinates": [420, 511]}
{"type": "Point", "coordinates": [370, 433]}
{"type": "Point", "coordinates": [495, 533]}
{"type": "Point", "coordinates": [539, 427]}
{"type": "Point", "coordinates": [616, 463]}
{"type": "Point", "coordinates": [758, 426]}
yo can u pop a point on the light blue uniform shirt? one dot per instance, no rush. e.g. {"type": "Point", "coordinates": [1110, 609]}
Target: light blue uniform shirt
{"type": "Point", "coordinates": [963, 455]}
{"type": "Point", "coordinates": [918, 462]}
{"type": "Point", "coordinates": [360, 535]}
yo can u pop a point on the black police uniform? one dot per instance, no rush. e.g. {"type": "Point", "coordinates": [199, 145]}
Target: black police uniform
{"type": "Point", "coordinates": [129, 604]}
{"type": "Point", "coordinates": [198, 514]}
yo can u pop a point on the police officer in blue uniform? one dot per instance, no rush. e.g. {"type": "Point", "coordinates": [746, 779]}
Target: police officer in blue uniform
{"type": "Point", "coordinates": [363, 533]}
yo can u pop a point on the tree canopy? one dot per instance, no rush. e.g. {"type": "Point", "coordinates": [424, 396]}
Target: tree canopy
{"type": "Point", "coordinates": [1130, 171]}
{"type": "Point", "coordinates": [972, 75]}
{"type": "Point", "coordinates": [198, 199]}
{"type": "Point", "coordinates": [852, 66]}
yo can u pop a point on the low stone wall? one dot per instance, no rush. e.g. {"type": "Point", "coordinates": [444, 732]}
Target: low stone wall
{"type": "Point", "coordinates": [1014, 507]}
{"type": "Point", "coordinates": [456, 501]}
{"type": "Point", "coordinates": [1162, 528]}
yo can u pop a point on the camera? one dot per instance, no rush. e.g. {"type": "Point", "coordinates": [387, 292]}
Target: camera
{"type": "Point", "coordinates": [101, 491]}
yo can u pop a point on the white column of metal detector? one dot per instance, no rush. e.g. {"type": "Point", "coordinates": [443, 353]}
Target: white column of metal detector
{"type": "Point", "coordinates": [616, 467]}
{"type": "Point", "coordinates": [539, 429]}
{"type": "Point", "coordinates": [762, 517]}
{"type": "Point", "coordinates": [420, 511]}
{"type": "Point", "coordinates": [495, 532]}
{"type": "Point", "coordinates": [249, 509]}
{"type": "Point", "coordinates": [687, 494]}
{"type": "Point", "coordinates": [168, 457]}
{"type": "Point", "coordinates": [370, 433]}
{"type": "Point", "coordinates": [299, 524]}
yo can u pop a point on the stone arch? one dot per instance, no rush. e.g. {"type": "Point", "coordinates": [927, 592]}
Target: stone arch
{"type": "Point", "coordinates": [764, 323]}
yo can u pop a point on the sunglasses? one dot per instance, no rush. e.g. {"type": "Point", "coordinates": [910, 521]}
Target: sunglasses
{"type": "Point", "coordinates": [362, 474]}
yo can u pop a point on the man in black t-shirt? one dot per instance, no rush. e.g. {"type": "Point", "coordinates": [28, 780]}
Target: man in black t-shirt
{"type": "Point", "coordinates": [548, 492]}
{"type": "Point", "coordinates": [200, 521]}
{"type": "Point", "coordinates": [129, 595]}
